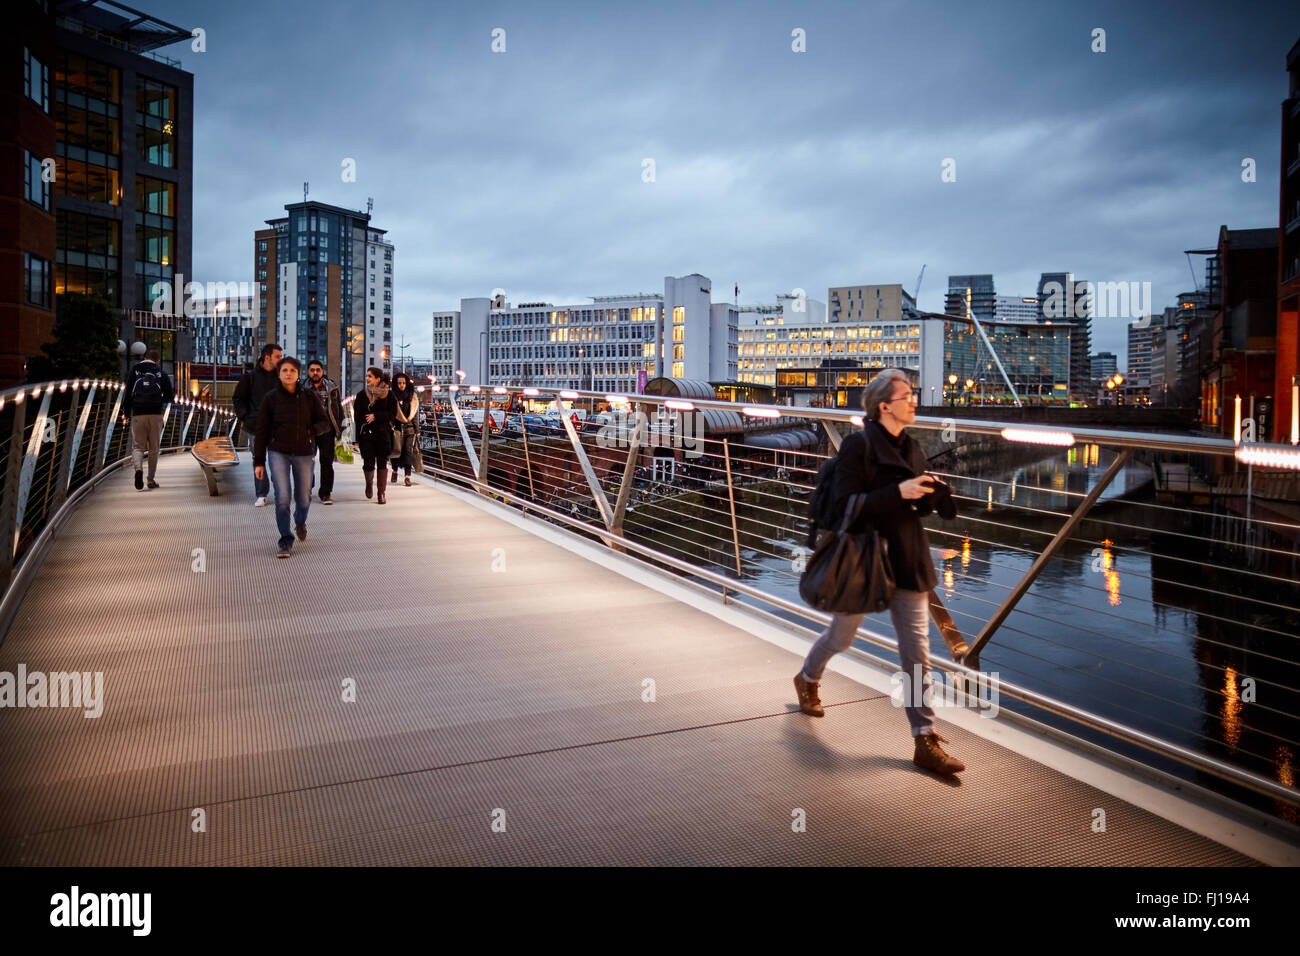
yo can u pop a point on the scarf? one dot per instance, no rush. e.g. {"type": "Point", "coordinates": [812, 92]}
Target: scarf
{"type": "Point", "coordinates": [377, 393]}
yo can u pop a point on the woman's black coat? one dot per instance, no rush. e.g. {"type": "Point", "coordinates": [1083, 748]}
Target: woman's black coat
{"type": "Point", "coordinates": [870, 463]}
{"type": "Point", "coordinates": [375, 438]}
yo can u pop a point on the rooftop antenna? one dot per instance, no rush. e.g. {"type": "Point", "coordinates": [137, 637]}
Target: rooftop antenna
{"type": "Point", "coordinates": [370, 205]}
{"type": "Point", "coordinates": [304, 191]}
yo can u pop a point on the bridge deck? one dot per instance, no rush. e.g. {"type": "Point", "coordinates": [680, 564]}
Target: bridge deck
{"type": "Point", "coordinates": [476, 690]}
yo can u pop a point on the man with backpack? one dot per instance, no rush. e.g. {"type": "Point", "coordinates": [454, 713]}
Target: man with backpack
{"type": "Point", "coordinates": [252, 388]}
{"type": "Point", "coordinates": [148, 392]}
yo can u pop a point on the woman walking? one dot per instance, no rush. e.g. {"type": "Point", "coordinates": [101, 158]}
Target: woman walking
{"type": "Point", "coordinates": [286, 432]}
{"type": "Point", "coordinates": [408, 410]}
{"type": "Point", "coordinates": [376, 413]}
{"type": "Point", "coordinates": [883, 461]}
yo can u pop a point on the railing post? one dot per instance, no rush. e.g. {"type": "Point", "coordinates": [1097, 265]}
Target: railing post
{"type": "Point", "coordinates": [597, 492]}
{"type": "Point", "coordinates": [78, 435]}
{"type": "Point", "coordinates": [185, 432]}
{"type": "Point", "coordinates": [29, 467]}
{"type": "Point", "coordinates": [833, 433]}
{"type": "Point", "coordinates": [1041, 562]}
{"type": "Point", "coordinates": [13, 469]}
{"type": "Point", "coordinates": [629, 471]}
{"type": "Point", "coordinates": [437, 437]}
{"type": "Point", "coordinates": [108, 430]}
{"type": "Point", "coordinates": [528, 461]}
{"type": "Point", "coordinates": [464, 437]}
{"type": "Point", "coordinates": [731, 497]}
{"type": "Point", "coordinates": [481, 471]}
{"type": "Point", "coordinates": [68, 449]}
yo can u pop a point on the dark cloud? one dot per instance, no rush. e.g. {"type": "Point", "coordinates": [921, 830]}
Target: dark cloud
{"type": "Point", "coordinates": [773, 169]}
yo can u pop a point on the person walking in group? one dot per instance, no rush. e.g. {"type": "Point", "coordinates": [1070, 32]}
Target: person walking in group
{"type": "Point", "coordinates": [408, 412]}
{"type": "Point", "coordinates": [327, 433]}
{"type": "Point", "coordinates": [286, 434]}
{"type": "Point", "coordinates": [376, 413]}
{"type": "Point", "coordinates": [148, 392]}
{"type": "Point", "coordinates": [252, 388]}
{"type": "Point", "coordinates": [887, 464]}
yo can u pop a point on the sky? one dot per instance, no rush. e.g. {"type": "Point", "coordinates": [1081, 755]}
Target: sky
{"type": "Point", "coordinates": [525, 170]}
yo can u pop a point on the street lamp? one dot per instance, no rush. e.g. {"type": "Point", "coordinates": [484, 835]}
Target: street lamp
{"type": "Point", "coordinates": [220, 307]}
{"type": "Point", "coordinates": [952, 382]}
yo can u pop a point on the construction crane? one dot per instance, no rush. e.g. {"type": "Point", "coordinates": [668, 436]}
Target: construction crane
{"type": "Point", "coordinates": [918, 286]}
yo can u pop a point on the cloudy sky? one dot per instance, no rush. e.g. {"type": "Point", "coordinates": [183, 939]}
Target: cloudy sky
{"type": "Point", "coordinates": [774, 169]}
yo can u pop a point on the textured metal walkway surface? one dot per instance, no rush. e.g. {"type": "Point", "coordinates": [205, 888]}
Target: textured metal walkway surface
{"type": "Point", "coordinates": [499, 714]}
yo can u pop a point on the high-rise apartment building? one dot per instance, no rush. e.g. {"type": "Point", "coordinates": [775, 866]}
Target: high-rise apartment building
{"type": "Point", "coordinates": [1017, 308]}
{"type": "Point", "coordinates": [1286, 387]}
{"type": "Point", "coordinates": [974, 291]}
{"type": "Point", "coordinates": [856, 303]}
{"type": "Point", "coordinates": [1064, 299]}
{"type": "Point", "coordinates": [324, 278]}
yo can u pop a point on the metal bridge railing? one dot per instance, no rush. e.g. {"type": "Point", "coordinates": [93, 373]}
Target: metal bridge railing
{"type": "Point", "coordinates": [58, 439]}
{"type": "Point", "coordinates": [1101, 599]}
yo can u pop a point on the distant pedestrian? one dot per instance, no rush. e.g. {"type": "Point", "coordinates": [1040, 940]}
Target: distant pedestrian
{"type": "Point", "coordinates": [376, 412]}
{"type": "Point", "coordinates": [285, 434]}
{"type": "Point", "coordinates": [252, 388]}
{"type": "Point", "coordinates": [327, 393]}
{"type": "Point", "coordinates": [407, 400]}
{"type": "Point", "coordinates": [148, 392]}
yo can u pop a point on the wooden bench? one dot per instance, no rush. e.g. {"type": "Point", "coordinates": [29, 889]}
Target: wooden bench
{"type": "Point", "coordinates": [213, 454]}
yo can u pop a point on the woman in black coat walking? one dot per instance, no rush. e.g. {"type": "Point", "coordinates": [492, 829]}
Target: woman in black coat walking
{"type": "Point", "coordinates": [376, 413]}
{"type": "Point", "coordinates": [886, 464]}
{"type": "Point", "coordinates": [408, 413]}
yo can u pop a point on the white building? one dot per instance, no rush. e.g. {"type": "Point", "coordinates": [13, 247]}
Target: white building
{"type": "Point", "coordinates": [781, 344]}
{"type": "Point", "coordinates": [1016, 308]}
{"type": "Point", "coordinates": [600, 345]}
{"type": "Point", "coordinates": [378, 347]}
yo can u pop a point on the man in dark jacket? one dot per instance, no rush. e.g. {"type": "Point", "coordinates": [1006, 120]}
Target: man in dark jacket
{"type": "Point", "coordinates": [252, 388]}
{"type": "Point", "coordinates": [285, 434]}
{"type": "Point", "coordinates": [148, 392]}
{"type": "Point", "coordinates": [327, 433]}
{"type": "Point", "coordinates": [883, 462]}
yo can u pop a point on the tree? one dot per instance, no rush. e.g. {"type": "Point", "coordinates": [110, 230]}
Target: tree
{"type": "Point", "coordinates": [85, 341]}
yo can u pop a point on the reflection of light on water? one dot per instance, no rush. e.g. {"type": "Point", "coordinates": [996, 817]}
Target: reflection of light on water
{"type": "Point", "coordinates": [1231, 709]}
{"type": "Point", "coordinates": [1013, 487]}
{"type": "Point", "coordinates": [965, 553]}
{"type": "Point", "coordinates": [1285, 776]}
{"type": "Point", "coordinates": [1072, 455]}
{"type": "Point", "coordinates": [990, 498]}
{"type": "Point", "coordinates": [948, 582]}
{"type": "Point", "coordinates": [1058, 480]}
{"type": "Point", "coordinates": [1109, 574]}
{"type": "Point", "coordinates": [1094, 454]}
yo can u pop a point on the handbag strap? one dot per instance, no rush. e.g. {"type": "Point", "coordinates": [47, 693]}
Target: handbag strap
{"type": "Point", "coordinates": [851, 510]}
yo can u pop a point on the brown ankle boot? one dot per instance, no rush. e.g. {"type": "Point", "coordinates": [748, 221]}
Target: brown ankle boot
{"type": "Point", "coordinates": [809, 703]}
{"type": "Point", "coordinates": [931, 756]}
{"type": "Point", "coordinates": [383, 484]}
{"type": "Point", "coordinates": [394, 478]}
{"type": "Point", "coordinates": [370, 484]}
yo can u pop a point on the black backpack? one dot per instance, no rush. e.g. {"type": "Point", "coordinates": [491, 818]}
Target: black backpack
{"type": "Point", "coordinates": [147, 389]}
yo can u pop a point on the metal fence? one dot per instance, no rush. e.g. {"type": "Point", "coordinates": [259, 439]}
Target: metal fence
{"type": "Point", "coordinates": [58, 438]}
{"type": "Point", "coordinates": [1157, 622]}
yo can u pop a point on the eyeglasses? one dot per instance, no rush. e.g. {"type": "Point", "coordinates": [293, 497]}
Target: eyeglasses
{"type": "Point", "coordinates": [909, 397]}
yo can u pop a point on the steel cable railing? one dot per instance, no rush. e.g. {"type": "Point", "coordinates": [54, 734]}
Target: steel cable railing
{"type": "Point", "coordinates": [58, 439]}
{"type": "Point", "coordinates": [1234, 612]}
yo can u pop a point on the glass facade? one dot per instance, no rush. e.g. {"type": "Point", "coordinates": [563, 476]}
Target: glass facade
{"type": "Point", "coordinates": [87, 114]}
{"type": "Point", "coordinates": [1036, 359]}
{"type": "Point", "coordinates": [87, 259]}
{"type": "Point", "coordinates": [766, 348]}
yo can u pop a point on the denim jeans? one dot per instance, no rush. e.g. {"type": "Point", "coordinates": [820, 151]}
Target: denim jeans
{"type": "Point", "coordinates": [261, 486]}
{"type": "Point", "coordinates": [278, 467]}
{"type": "Point", "coordinates": [910, 611]}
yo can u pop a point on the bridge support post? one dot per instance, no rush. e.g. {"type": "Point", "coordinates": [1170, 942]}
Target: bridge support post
{"type": "Point", "coordinates": [597, 492]}
{"type": "Point", "coordinates": [731, 497]}
{"type": "Point", "coordinates": [13, 471]}
{"type": "Point", "coordinates": [528, 461]}
{"type": "Point", "coordinates": [77, 437]}
{"type": "Point", "coordinates": [71, 438]}
{"type": "Point", "coordinates": [629, 472]}
{"type": "Point", "coordinates": [108, 430]}
{"type": "Point", "coordinates": [1041, 562]}
{"type": "Point", "coordinates": [833, 433]}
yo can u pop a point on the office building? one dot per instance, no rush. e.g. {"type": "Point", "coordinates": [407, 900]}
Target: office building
{"type": "Point", "coordinates": [1104, 366]}
{"type": "Point", "coordinates": [872, 303]}
{"type": "Point", "coordinates": [1035, 356]}
{"type": "Point", "coordinates": [1016, 308]}
{"type": "Point", "coordinates": [602, 345]}
{"type": "Point", "coordinates": [324, 279]}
